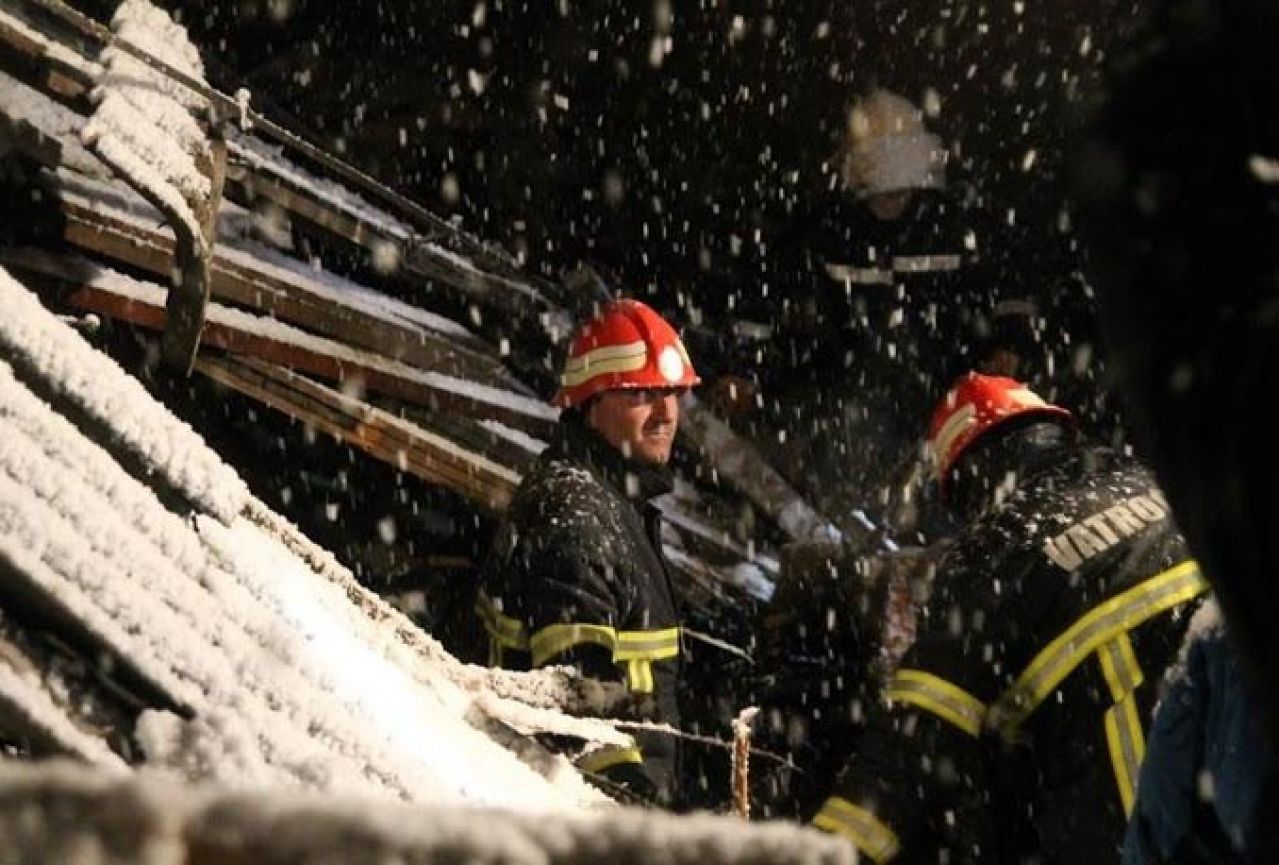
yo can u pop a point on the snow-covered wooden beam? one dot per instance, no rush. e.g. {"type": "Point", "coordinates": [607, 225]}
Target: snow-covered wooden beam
{"type": "Point", "coordinates": [384, 436]}
{"type": "Point", "coordinates": [95, 289]}
{"type": "Point", "coordinates": [55, 68]}
{"type": "Point", "coordinates": [248, 280]}
{"type": "Point", "coordinates": [255, 173]}
{"type": "Point", "coordinates": [148, 128]}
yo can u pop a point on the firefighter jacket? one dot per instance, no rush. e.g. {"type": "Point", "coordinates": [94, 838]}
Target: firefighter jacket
{"type": "Point", "coordinates": [1013, 728]}
{"type": "Point", "coordinates": [576, 576]}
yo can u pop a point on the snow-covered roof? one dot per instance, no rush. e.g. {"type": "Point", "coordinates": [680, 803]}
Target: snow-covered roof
{"type": "Point", "coordinates": [117, 514]}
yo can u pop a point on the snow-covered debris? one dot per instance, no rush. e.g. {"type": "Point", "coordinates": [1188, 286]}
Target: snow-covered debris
{"type": "Point", "coordinates": [61, 813]}
{"type": "Point", "coordinates": [22, 692]}
{"type": "Point", "coordinates": [36, 341]}
{"type": "Point", "coordinates": [269, 159]}
{"type": "Point", "coordinates": [287, 672]}
{"type": "Point", "coordinates": [143, 124]}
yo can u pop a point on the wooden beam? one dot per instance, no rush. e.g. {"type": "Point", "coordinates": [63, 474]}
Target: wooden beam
{"type": "Point", "coordinates": [382, 435]}
{"type": "Point", "coordinates": [95, 229]}
{"type": "Point", "coordinates": [25, 53]}
{"type": "Point", "coordinates": [140, 303]}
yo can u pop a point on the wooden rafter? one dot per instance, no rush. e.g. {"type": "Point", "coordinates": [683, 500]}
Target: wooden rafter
{"type": "Point", "coordinates": [380, 434]}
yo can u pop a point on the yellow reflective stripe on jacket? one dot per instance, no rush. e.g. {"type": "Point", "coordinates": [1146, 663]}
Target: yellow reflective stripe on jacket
{"type": "Point", "coordinates": [647, 645]}
{"type": "Point", "coordinates": [504, 632]}
{"type": "Point", "coordinates": [605, 758]}
{"type": "Point", "coordinates": [943, 699]}
{"type": "Point", "coordinates": [1103, 623]}
{"type": "Point", "coordinates": [1124, 736]}
{"type": "Point", "coordinates": [872, 837]}
{"type": "Point", "coordinates": [636, 649]}
{"type": "Point", "coordinates": [556, 639]}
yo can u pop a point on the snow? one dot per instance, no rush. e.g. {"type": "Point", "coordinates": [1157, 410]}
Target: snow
{"type": "Point", "coordinates": [264, 641]}
{"type": "Point", "coordinates": [315, 280]}
{"type": "Point", "coordinates": [515, 436]}
{"type": "Point", "coordinates": [51, 48]}
{"type": "Point", "coordinates": [142, 124]}
{"type": "Point", "coordinates": [21, 102]}
{"type": "Point", "coordinates": [25, 694]}
{"type": "Point", "coordinates": [35, 340]}
{"type": "Point", "coordinates": [269, 159]}
{"type": "Point", "coordinates": [65, 814]}
{"type": "Point", "coordinates": [150, 293]}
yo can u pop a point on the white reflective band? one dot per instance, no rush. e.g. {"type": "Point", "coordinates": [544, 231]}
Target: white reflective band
{"type": "Point", "coordinates": [926, 263]}
{"type": "Point", "coordinates": [603, 360]}
{"type": "Point", "coordinates": [859, 275]}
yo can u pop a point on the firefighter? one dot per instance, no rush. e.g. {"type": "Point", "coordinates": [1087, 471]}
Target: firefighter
{"type": "Point", "coordinates": [1013, 728]}
{"type": "Point", "coordinates": [576, 573]}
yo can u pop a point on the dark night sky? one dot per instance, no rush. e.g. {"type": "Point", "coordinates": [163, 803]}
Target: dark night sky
{"type": "Point", "coordinates": [646, 136]}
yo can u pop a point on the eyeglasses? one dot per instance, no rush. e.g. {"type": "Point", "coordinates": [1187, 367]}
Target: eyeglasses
{"type": "Point", "coordinates": [639, 396]}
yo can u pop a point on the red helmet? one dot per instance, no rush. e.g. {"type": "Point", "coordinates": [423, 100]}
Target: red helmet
{"type": "Point", "coordinates": [626, 345]}
{"type": "Point", "coordinates": [976, 404]}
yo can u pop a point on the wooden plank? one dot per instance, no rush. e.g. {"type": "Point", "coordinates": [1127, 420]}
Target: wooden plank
{"type": "Point", "coordinates": [243, 333]}
{"type": "Point", "coordinates": [152, 250]}
{"type": "Point", "coordinates": [23, 55]}
{"type": "Point", "coordinates": [377, 433]}
{"type": "Point", "coordinates": [741, 463]}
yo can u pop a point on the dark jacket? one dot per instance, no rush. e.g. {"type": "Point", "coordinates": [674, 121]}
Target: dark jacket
{"type": "Point", "coordinates": [576, 576]}
{"type": "Point", "coordinates": [1207, 731]}
{"type": "Point", "coordinates": [874, 319]}
{"type": "Point", "coordinates": [1013, 726]}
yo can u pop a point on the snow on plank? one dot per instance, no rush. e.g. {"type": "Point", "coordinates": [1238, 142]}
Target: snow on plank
{"type": "Point", "coordinates": [393, 440]}
{"type": "Point", "coordinates": [119, 296]}
{"type": "Point", "coordinates": [56, 68]}
{"type": "Point", "coordinates": [44, 349]}
{"type": "Point", "coordinates": [263, 173]}
{"type": "Point", "coordinates": [741, 463]}
{"type": "Point", "coordinates": [144, 126]}
{"type": "Point", "coordinates": [99, 221]}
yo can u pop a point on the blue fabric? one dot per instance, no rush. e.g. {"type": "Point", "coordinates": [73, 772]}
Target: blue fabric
{"type": "Point", "coordinates": [1205, 765]}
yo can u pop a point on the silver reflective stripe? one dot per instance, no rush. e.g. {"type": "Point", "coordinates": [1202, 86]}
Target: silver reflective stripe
{"type": "Point", "coordinates": [859, 275]}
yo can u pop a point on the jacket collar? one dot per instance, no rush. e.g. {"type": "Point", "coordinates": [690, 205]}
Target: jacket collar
{"type": "Point", "coordinates": [634, 480]}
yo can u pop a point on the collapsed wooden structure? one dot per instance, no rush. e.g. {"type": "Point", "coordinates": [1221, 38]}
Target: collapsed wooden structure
{"type": "Point", "coordinates": [433, 398]}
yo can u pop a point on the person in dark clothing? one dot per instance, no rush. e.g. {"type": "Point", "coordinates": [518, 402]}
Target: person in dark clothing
{"type": "Point", "coordinates": [1201, 782]}
{"type": "Point", "coordinates": [576, 573]}
{"type": "Point", "coordinates": [1176, 180]}
{"type": "Point", "coordinates": [883, 288]}
{"type": "Point", "coordinates": [1013, 727]}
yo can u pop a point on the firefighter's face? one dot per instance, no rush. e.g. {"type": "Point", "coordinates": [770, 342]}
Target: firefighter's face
{"type": "Point", "coordinates": [640, 423]}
